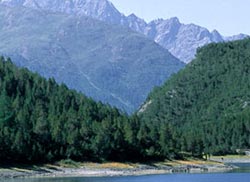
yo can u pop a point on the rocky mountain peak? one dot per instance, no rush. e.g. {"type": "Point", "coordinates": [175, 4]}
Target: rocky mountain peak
{"type": "Point", "coordinates": [236, 37]}
{"type": "Point", "coordinates": [132, 16]}
{"type": "Point", "coordinates": [180, 39]}
{"type": "Point", "coordinates": [216, 36]}
{"type": "Point", "coordinates": [99, 9]}
{"type": "Point", "coordinates": [174, 21]}
{"type": "Point", "coordinates": [135, 23]}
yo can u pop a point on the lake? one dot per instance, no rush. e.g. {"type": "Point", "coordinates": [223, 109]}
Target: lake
{"type": "Point", "coordinates": [238, 175]}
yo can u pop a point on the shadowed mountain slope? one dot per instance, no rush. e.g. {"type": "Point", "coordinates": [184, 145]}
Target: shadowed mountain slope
{"type": "Point", "coordinates": [109, 63]}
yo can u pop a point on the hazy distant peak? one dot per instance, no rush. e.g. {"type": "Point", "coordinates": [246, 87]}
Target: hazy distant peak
{"type": "Point", "coordinates": [132, 16]}
{"type": "Point", "coordinates": [12, 2]}
{"type": "Point", "coordinates": [174, 20]}
{"type": "Point", "coordinates": [216, 36]}
{"type": "Point", "coordinates": [158, 20]}
{"type": "Point", "coordinates": [182, 40]}
{"type": "Point", "coordinates": [70, 6]}
{"type": "Point", "coordinates": [166, 23]}
{"type": "Point", "coordinates": [236, 37]}
{"type": "Point", "coordinates": [215, 31]}
{"type": "Point", "coordinates": [102, 10]}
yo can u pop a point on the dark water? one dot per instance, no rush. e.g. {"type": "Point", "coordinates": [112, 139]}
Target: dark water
{"type": "Point", "coordinates": [240, 175]}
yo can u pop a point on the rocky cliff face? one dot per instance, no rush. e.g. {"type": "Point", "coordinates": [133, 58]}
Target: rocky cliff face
{"type": "Point", "coordinates": [99, 9]}
{"type": "Point", "coordinates": [180, 39]}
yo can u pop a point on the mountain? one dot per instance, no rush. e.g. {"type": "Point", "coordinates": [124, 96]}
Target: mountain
{"type": "Point", "coordinates": [98, 9]}
{"type": "Point", "coordinates": [182, 40]}
{"type": "Point", "coordinates": [208, 101]}
{"type": "Point", "coordinates": [109, 63]}
{"type": "Point", "coordinates": [204, 109]}
{"type": "Point", "coordinates": [236, 37]}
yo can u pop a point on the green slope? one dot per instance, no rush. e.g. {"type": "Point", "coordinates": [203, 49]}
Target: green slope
{"type": "Point", "coordinates": [208, 103]}
{"type": "Point", "coordinates": [42, 121]}
{"type": "Point", "coordinates": [202, 109]}
{"type": "Point", "coordinates": [109, 63]}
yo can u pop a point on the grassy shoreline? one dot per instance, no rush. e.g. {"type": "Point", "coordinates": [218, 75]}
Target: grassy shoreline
{"type": "Point", "coordinates": [68, 168]}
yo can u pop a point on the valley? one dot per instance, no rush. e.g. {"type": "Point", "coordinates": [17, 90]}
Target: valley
{"type": "Point", "coordinates": [86, 91]}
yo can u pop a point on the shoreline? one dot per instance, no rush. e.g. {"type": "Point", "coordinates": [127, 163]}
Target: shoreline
{"type": "Point", "coordinates": [230, 159]}
{"type": "Point", "coordinates": [115, 169]}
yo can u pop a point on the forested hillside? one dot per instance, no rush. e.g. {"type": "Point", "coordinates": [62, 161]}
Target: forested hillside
{"type": "Point", "coordinates": [207, 103]}
{"type": "Point", "coordinates": [41, 121]}
{"type": "Point", "coordinates": [205, 108]}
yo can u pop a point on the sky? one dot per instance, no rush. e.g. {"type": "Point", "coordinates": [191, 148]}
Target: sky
{"type": "Point", "coordinates": [229, 17]}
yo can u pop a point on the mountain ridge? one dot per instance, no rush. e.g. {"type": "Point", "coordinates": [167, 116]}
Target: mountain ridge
{"type": "Point", "coordinates": [182, 40]}
{"type": "Point", "coordinates": [101, 60]}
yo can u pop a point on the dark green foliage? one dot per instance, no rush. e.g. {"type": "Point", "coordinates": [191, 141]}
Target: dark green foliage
{"type": "Point", "coordinates": [204, 109]}
{"type": "Point", "coordinates": [208, 103]}
{"type": "Point", "coordinates": [41, 121]}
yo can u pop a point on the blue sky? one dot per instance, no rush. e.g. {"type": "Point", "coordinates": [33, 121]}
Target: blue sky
{"type": "Point", "coordinates": [227, 16]}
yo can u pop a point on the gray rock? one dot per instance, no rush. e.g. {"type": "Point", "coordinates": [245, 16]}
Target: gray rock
{"type": "Point", "coordinates": [180, 39]}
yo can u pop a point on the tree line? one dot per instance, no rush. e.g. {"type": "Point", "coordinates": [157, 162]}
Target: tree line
{"type": "Point", "coordinates": [204, 109]}
{"type": "Point", "coordinates": [208, 102]}
{"type": "Point", "coordinates": [41, 121]}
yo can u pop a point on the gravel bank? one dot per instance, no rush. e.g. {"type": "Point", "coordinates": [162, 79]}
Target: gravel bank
{"type": "Point", "coordinates": [98, 170]}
